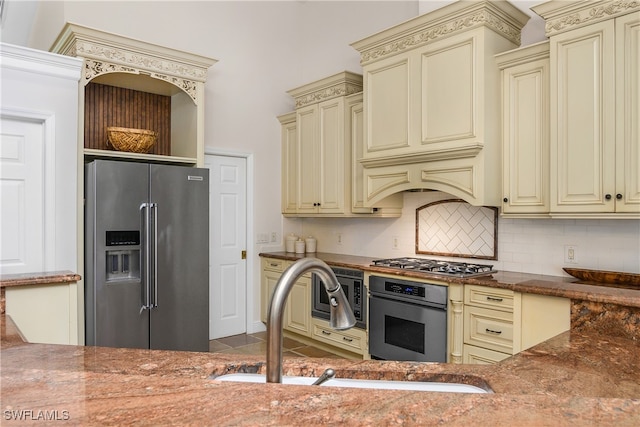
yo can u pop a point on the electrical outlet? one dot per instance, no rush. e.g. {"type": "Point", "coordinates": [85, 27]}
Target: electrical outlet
{"type": "Point", "coordinates": [394, 242]}
{"type": "Point", "coordinates": [339, 238]}
{"type": "Point", "coordinates": [274, 237]}
{"type": "Point", "coordinates": [570, 254]}
{"type": "Point", "coordinates": [262, 238]}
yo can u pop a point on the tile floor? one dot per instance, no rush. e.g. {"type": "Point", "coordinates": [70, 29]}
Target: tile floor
{"type": "Point", "coordinates": [256, 344]}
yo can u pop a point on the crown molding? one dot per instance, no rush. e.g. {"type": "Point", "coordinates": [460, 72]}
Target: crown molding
{"type": "Point", "coordinates": [341, 84]}
{"type": "Point", "coordinates": [561, 16]}
{"type": "Point", "coordinates": [501, 17]}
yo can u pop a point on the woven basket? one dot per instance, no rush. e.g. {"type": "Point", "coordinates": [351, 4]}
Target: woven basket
{"type": "Point", "coordinates": [131, 140]}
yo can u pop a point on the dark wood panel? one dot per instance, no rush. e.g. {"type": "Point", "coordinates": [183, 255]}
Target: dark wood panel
{"type": "Point", "coordinates": [114, 106]}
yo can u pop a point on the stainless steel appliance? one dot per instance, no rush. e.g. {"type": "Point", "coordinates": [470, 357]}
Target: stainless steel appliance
{"type": "Point", "coordinates": [146, 256]}
{"type": "Point", "coordinates": [432, 266]}
{"type": "Point", "coordinates": [352, 283]}
{"type": "Point", "coordinates": [407, 320]}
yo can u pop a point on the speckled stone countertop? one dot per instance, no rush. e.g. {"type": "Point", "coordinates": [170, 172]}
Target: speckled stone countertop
{"type": "Point", "coordinates": [38, 278]}
{"type": "Point", "coordinates": [577, 378]}
{"type": "Point", "coordinates": [567, 287]}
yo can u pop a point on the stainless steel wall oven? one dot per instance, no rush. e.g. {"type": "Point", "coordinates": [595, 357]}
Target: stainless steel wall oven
{"type": "Point", "coordinates": [352, 282]}
{"type": "Point", "coordinates": [407, 320]}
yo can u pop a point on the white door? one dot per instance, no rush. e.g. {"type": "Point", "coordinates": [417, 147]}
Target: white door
{"type": "Point", "coordinates": [227, 227]}
{"type": "Point", "coordinates": [22, 193]}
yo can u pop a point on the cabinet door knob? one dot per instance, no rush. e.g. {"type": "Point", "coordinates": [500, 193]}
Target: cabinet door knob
{"type": "Point", "coordinates": [619, 196]}
{"type": "Point", "coordinates": [505, 200]}
{"type": "Point", "coordinates": [607, 196]}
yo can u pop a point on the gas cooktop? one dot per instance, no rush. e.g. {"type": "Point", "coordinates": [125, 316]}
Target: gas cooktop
{"type": "Point", "coordinates": [432, 266]}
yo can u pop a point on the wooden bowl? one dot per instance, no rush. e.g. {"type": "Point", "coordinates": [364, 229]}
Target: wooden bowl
{"type": "Point", "coordinates": [605, 277]}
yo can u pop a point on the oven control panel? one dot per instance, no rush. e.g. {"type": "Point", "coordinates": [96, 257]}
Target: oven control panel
{"type": "Point", "coordinates": [414, 290]}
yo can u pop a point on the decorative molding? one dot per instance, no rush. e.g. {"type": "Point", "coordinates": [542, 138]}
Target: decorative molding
{"type": "Point", "coordinates": [93, 69]}
{"type": "Point", "coordinates": [329, 93]}
{"type": "Point", "coordinates": [379, 183]}
{"type": "Point", "coordinates": [149, 63]}
{"type": "Point", "coordinates": [460, 152]}
{"type": "Point", "coordinates": [561, 17]}
{"type": "Point", "coordinates": [105, 53]}
{"type": "Point", "coordinates": [341, 84]}
{"type": "Point", "coordinates": [426, 32]}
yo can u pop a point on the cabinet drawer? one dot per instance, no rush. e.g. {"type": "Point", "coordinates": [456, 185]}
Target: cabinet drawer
{"type": "Point", "coordinates": [473, 355]}
{"type": "Point", "coordinates": [353, 340]}
{"type": "Point", "coordinates": [273, 264]}
{"type": "Point", "coordinates": [494, 298]}
{"type": "Point", "coordinates": [490, 329]}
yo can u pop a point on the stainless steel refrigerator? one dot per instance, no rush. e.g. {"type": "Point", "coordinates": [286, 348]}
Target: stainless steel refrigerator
{"type": "Point", "coordinates": [146, 256]}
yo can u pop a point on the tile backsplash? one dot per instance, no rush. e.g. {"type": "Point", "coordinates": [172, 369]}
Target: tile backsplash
{"type": "Point", "coordinates": [456, 228]}
{"type": "Point", "coordinates": [524, 245]}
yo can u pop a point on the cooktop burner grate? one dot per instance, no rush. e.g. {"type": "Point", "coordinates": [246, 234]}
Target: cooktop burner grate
{"type": "Point", "coordinates": [432, 266]}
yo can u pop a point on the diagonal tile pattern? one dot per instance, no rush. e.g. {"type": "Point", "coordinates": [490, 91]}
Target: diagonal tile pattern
{"type": "Point", "coordinates": [457, 228]}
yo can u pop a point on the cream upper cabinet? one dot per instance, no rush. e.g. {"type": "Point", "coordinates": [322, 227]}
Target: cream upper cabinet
{"type": "Point", "coordinates": [431, 102]}
{"type": "Point", "coordinates": [525, 130]}
{"type": "Point", "coordinates": [317, 155]}
{"type": "Point", "coordinates": [289, 163]}
{"type": "Point", "coordinates": [389, 206]}
{"type": "Point", "coordinates": [595, 90]}
{"type": "Point", "coordinates": [321, 161]}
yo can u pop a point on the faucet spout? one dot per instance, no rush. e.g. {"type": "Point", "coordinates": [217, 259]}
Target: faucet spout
{"type": "Point", "coordinates": [340, 311]}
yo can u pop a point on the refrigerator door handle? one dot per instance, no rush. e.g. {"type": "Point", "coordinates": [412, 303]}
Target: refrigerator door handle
{"type": "Point", "coordinates": [154, 268]}
{"type": "Point", "coordinates": [144, 254]}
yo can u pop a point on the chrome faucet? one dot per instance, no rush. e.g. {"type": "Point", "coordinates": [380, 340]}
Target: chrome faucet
{"type": "Point", "coordinates": [341, 315]}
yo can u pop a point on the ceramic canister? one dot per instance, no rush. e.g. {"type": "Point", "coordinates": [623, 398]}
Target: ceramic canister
{"type": "Point", "coordinates": [290, 242]}
{"type": "Point", "coordinates": [311, 243]}
{"type": "Point", "coordinates": [300, 246]}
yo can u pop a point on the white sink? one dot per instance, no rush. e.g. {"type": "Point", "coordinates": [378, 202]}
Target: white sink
{"type": "Point", "coordinates": [347, 382]}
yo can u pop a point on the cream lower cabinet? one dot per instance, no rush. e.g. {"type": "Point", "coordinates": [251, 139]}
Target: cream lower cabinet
{"type": "Point", "coordinates": [499, 323]}
{"type": "Point", "coordinates": [45, 313]}
{"type": "Point", "coordinates": [272, 269]}
{"type": "Point", "coordinates": [297, 321]}
{"type": "Point", "coordinates": [353, 340]}
{"type": "Point", "coordinates": [595, 82]}
{"type": "Point", "coordinates": [298, 308]}
{"type": "Point", "coordinates": [297, 312]}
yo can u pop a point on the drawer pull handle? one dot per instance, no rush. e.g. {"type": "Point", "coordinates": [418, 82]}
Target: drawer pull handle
{"type": "Point", "coordinates": [494, 299]}
{"type": "Point", "coordinates": [347, 339]}
{"type": "Point", "coordinates": [491, 331]}
{"type": "Point", "coordinates": [325, 332]}
{"type": "Point", "coordinates": [273, 264]}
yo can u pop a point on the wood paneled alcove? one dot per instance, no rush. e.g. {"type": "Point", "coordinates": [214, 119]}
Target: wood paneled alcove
{"type": "Point", "coordinates": [115, 106]}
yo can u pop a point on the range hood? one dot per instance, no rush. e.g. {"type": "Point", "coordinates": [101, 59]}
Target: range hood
{"type": "Point", "coordinates": [432, 115]}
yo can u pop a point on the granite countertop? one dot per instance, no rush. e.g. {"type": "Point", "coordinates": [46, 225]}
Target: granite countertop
{"type": "Point", "coordinates": [38, 278]}
{"type": "Point", "coordinates": [567, 287]}
{"type": "Point", "coordinates": [577, 378]}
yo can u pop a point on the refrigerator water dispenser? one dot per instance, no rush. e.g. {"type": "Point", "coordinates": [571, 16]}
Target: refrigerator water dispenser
{"type": "Point", "coordinates": [123, 264]}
